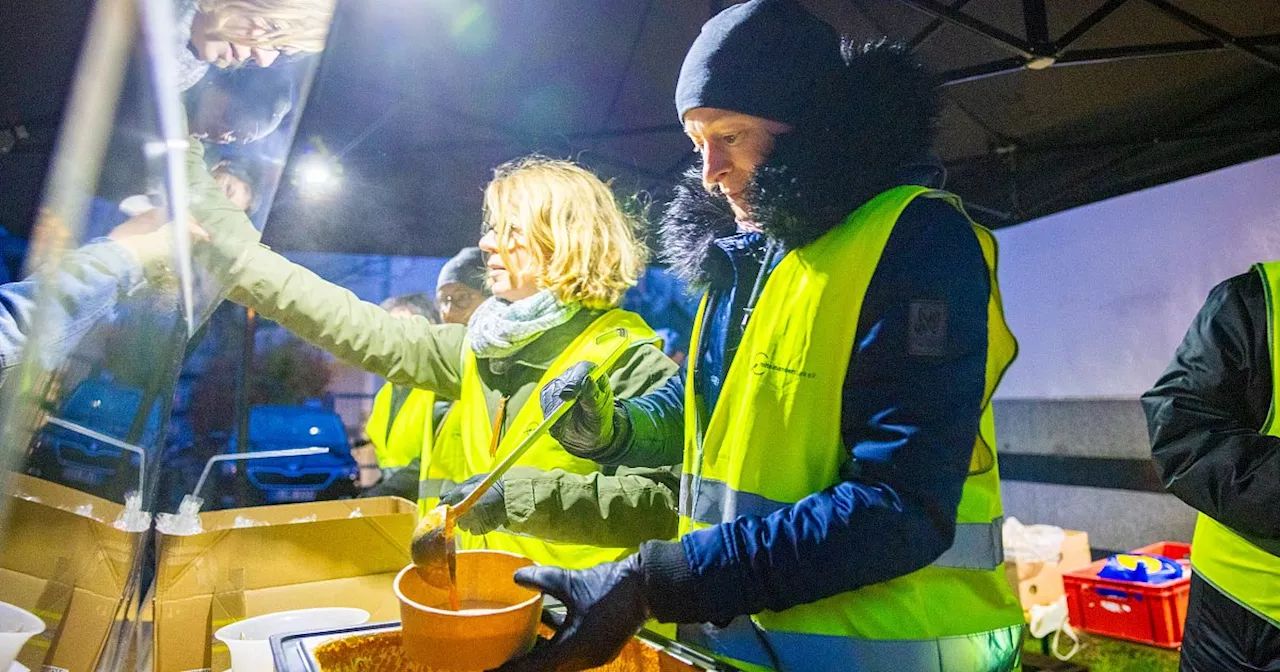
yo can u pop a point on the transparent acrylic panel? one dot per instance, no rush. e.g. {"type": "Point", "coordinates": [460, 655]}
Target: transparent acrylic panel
{"type": "Point", "coordinates": [173, 139]}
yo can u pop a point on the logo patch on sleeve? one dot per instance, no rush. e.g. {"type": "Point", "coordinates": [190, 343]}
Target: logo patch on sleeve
{"type": "Point", "coordinates": [927, 328]}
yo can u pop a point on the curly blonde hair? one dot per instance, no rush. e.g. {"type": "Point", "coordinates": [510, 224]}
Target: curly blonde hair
{"type": "Point", "coordinates": [586, 248]}
{"type": "Point", "coordinates": [302, 24]}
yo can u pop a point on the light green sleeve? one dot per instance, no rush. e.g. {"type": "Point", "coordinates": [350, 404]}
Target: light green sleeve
{"type": "Point", "coordinates": [405, 350]}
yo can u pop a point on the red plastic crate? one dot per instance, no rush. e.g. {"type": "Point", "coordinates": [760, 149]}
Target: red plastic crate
{"type": "Point", "coordinates": [1141, 612]}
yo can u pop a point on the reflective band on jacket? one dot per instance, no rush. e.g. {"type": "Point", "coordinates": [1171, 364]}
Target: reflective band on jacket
{"type": "Point", "coordinates": [976, 546]}
{"type": "Point", "coordinates": [774, 438]}
{"type": "Point", "coordinates": [742, 641]}
{"type": "Point", "coordinates": [462, 448]}
{"type": "Point", "coordinates": [1244, 567]}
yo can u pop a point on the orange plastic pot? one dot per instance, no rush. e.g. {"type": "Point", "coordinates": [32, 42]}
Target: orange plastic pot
{"type": "Point", "coordinates": [498, 620]}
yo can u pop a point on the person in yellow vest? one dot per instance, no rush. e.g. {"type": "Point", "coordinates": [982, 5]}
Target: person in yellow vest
{"type": "Point", "coordinates": [401, 420]}
{"type": "Point", "coordinates": [1215, 437]}
{"type": "Point", "coordinates": [840, 505]}
{"type": "Point", "coordinates": [460, 289]}
{"type": "Point", "coordinates": [560, 255]}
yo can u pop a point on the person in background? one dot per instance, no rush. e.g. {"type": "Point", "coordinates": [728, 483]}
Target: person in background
{"type": "Point", "coordinates": [229, 33]}
{"type": "Point", "coordinates": [403, 421]}
{"type": "Point", "coordinates": [240, 178]}
{"type": "Point", "coordinates": [238, 106]}
{"type": "Point", "coordinates": [460, 287]}
{"type": "Point", "coordinates": [840, 505]}
{"type": "Point", "coordinates": [561, 253]}
{"type": "Point", "coordinates": [1214, 422]}
{"type": "Point", "coordinates": [86, 287]}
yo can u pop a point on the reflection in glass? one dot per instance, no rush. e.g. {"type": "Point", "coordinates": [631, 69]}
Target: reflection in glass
{"type": "Point", "coordinates": [180, 119]}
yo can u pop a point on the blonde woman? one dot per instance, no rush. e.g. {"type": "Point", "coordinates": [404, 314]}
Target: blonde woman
{"type": "Point", "coordinates": [231, 33]}
{"type": "Point", "coordinates": [560, 255]}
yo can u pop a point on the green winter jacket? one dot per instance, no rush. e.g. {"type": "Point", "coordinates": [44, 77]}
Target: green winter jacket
{"type": "Point", "coordinates": [616, 507]}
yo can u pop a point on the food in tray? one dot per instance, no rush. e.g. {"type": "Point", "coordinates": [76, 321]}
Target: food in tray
{"type": "Point", "coordinates": [365, 653]}
{"type": "Point", "coordinates": [382, 652]}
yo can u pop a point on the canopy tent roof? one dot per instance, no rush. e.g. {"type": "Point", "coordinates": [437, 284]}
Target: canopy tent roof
{"type": "Point", "coordinates": [1048, 104]}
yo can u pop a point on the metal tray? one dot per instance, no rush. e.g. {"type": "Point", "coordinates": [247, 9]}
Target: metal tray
{"type": "Point", "coordinates": [294, 652]}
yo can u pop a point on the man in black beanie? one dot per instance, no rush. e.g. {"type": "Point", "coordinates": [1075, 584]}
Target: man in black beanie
{"type": "Point", "coordinates": [840, 504]}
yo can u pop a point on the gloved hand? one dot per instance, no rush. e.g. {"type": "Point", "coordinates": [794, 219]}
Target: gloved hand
{"type": "Point", "coordinates": [488, 514]}
{"type": "Point", "coordinates": [589, 428]}
{"type": "Point", "coordinates": [606, 607]}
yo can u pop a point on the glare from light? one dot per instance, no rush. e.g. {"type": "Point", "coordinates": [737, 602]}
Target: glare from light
{"type": "Point", "coordinates": [317, 175]}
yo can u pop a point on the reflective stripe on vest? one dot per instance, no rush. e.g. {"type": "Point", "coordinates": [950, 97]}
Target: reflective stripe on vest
{"type": "Point", "coordinates": [409, 432]}
{"type": "Point", "coordinates": [462, 449]}
{"type": "Point", "coordinates": [976, 545]}
{"type": "Point", "coordinates": [1245, 568]}
{"type": "Point", "coordinates": [742, 641]}
{"type": "Point", "coordinates": [774, 438]}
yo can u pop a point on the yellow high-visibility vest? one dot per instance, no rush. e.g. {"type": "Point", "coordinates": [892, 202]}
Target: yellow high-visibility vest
{"type": "Point", "coordinates": [774, 438]}
{"type": "Point", "coordinates": [462, 449]}
{"type": "Point", "coordinates": [410, 431]}
{"type": "Point", "coordinates": [1244, 567]}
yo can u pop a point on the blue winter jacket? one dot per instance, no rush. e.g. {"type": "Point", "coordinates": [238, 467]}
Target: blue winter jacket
{"type": "Point", "coordinates": [908, 420]}
{"type": "Point", "coordinates": [84, 290]}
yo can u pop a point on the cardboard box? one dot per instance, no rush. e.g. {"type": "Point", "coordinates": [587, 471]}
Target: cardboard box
{"type": "Point", "coordinates": [316, 554]}
{"type": "Point", "coordinates": [65, 562]}
{"type": "Point", "coordinates": [1041, 582]}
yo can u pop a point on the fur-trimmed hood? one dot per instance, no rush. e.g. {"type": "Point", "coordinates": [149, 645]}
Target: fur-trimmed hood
{"type": "Point", "coordinates": [860, 134]}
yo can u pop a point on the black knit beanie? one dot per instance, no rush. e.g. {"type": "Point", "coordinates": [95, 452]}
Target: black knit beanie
{"type": "Point", "coordinates": [466, 267]}
{"type": "Point", "coordinates": [764, 58]}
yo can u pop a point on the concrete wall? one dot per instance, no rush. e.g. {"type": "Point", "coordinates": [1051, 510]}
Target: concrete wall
{"type": "Point", "coordinates": [1116, 518]}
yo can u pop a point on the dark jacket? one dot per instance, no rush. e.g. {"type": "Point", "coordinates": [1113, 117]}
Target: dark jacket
{"type": "Point", "coordinates": [1205, 416]}
{"type": "Point", "coordinates": [1205, 413]}
{"type": "Point", "coordinates": [908, 420]}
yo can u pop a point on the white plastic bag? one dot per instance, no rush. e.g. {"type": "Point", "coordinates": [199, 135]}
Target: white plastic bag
{"type": "Point", "coordinates": [1052, 618]}
{"type": "Point", "coordinates": [1032, 543]}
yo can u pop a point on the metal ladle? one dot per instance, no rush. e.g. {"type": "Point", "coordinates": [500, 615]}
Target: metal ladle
{"type": "Point", "coordinates": [433, 551]}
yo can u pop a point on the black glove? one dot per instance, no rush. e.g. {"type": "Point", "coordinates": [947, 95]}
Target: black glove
{"type": "Point", "coordinates": [589, 428]}
{"type": "Point", "coordinates": [486, 515]}
{"type": "Point", "coordinates": [606, 607]}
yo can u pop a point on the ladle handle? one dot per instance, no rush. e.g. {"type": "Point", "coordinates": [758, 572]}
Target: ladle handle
{"type": "Point", "coordinates": [543, 427]}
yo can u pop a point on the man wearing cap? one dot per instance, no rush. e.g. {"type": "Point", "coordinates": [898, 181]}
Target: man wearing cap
{"type": "Point", "coordinates": [460, 286]}
{"type": "Point", "coordinates": [840, 503]}
{"type": "Point", "coordinates": [403, 421]}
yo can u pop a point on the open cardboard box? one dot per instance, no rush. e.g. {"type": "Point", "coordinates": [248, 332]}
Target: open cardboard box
{"type": "Point", "coordinates": [64, 561]}
{"type": "Point", "coordinates": [290, 560]}
{"type": "Point", "coordinates": [1041, 582]}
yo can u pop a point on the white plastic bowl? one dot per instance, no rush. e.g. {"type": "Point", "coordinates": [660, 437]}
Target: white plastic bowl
{"type": "Point", "coordinates": [16, 627]}
{"type": "Point", "coordinates": [249, 640]}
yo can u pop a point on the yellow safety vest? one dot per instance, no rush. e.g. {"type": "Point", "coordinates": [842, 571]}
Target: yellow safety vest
{"type": "Point", "coordinates": [410, 432]}
{"type": "Point", "coordinates": [462, 449]}
{"type": "Point", "coordinates": [774, 438]}
{"type": "Point", "coordinates": [1246, 568]}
